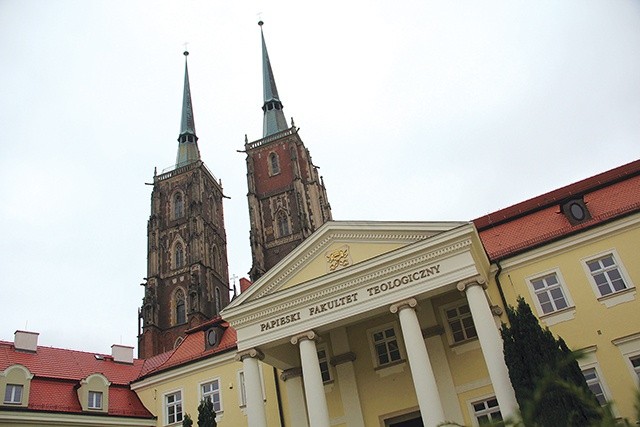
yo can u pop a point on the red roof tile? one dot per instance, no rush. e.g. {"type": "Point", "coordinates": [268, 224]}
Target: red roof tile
{"type": "Point", "coordinates": [608, 196]}
{"type": "Point", "coordinates": [57, 374]}
{"type": "Point", "coordinates": [192, 348]}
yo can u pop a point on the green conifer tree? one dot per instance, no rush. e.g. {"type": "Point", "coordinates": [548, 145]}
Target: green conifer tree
{"type": "Point", "coordinates": [206, 414]}
{"type": "Point", "coordinates": [547, 380]}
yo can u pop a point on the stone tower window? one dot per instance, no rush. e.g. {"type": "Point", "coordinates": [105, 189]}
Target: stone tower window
{"type": "Point", "coordinates": [178, 205]}
{"type": "Point", "coordinates": [215, 258]}
{"type": "Point", "coordinates": [283, 224]}
{"type": "Point", "coordinates": [178, 255]}
{"type": "Point", "coordinates": [218, 302]}
{"type": "Point", "coordinates": [274, 164]}
{"type": "Point", "coordinates": [180, 304]}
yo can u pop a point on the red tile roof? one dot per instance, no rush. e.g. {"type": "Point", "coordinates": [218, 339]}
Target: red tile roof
{"type": "Point", "coordinates": [609, 195]}
{"type": "Point", "coordinates": [192, 348]}
{"type": "Point", "coordinates": [57, 372]}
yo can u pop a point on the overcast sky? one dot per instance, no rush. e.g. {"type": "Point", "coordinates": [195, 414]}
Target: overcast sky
{"type": "Point", "coordinates": [414, 110]}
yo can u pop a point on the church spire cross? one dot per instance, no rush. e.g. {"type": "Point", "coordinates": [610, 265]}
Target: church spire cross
{"type": "Point", "coordinates": [187, 140]}
{"type": "Point", "coordinates": [274, 120]}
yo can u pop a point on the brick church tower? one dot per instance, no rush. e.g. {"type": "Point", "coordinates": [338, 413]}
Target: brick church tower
{"type": "Point", "coordinates": [287, 198]}
{"type": "Point", "coordinates": [187, 271]}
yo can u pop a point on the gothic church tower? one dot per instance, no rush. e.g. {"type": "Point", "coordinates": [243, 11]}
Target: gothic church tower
{"type": "Point", "coordinates": [187, 270]}
{"type": "Point", "coordinates": [287, 198]}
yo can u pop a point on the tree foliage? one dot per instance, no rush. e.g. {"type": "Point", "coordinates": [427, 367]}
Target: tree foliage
{"type": "Point", "coordinates": [206, 414]}
{"type": "Point", "coordinates": [187, 421]}
{"type": "Point", "coordinates": [547, 380]}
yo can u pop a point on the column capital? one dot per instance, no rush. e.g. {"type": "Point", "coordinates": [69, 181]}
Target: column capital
{"type": "Point", "coordinates": [407, 303]}
{"type": "Point", "coordinates": [308, 335]}
{"type": "Point", "coordinates": [291, 373]}
{"type": "Point", "coordinates": [252, 352]}
{"type": "Point", "coordinates": [463, 285]}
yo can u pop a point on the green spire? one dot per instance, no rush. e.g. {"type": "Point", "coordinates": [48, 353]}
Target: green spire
{"type": "Point", "coordinates": [187, 141]}
{"type": "Point", "coordinates": [274, 120]}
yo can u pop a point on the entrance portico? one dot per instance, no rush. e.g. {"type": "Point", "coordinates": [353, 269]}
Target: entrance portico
{"type": "Point", "coordinates": [372, 298]}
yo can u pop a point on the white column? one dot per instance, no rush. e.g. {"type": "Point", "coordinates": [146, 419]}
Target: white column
{"type": "Point", "coordinates": [343, 363]}
{"type": "Point", "coordinates": [424, 380]}
{"type": "Point", "coordinates": [491, 345]}
{"type": "Point", "coordinates": [295, 397]}
{"type": "Point", "coordinates": [256, 415]}
{"type": "Point", "coordinates": [312, 378]}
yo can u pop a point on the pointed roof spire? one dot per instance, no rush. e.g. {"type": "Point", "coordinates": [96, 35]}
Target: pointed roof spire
{"type": "Point", "coordinates": [187, 140]}
{"type": "Point", "coordinates": [274, 120]}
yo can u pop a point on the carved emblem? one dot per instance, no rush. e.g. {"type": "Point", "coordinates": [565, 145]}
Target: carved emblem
{"type": "Point", "coordinates": [338, 258]}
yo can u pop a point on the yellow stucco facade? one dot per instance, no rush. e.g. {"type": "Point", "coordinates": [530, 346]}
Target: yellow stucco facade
{"type": "Point", "coordinates": [606, 328]}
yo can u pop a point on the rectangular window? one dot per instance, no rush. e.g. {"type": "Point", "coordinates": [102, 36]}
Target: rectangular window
{"type": "Point", "coordinates": [593, 381]}
{"type": "Point", "coordinates": [324, 364]}
{"type": "Point", "coordinates": [460, 323]}
{"type": "Point", "coordinates": [211, 391]}
{"type": "Point", "coordinates": [173, 405]}
{"type": "Point", "coordinates": [635, 362]}
{"type": "Point", "coordinates": [549, 293]}
{"type": "Point", "coordinates": [13, 393]}
{"type": "Point", "coordinates": [487, 412]}
{"type": "Point", "coordinates": [386, 346]}
{"type": "Point", "coordinates": [95, 400]}
{"type": "Point", "coordinates": [606, 275]}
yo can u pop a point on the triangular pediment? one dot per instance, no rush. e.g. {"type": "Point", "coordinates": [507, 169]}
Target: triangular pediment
{"type": "Point", "coordinates": [336, 246]}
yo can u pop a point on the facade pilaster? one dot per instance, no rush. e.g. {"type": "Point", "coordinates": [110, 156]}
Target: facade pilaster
{"type": "Point", "coordinates": [312, 377]}
{"type": "Point", "coordinates": [256, 415]}
{"type": "Point", "coordinates": [491, 345]}
{"type": "Point", "coordinates": [424, 380]}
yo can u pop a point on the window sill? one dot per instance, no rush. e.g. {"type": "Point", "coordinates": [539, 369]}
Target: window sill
{"type": "Point", "coordinates": [392, 368]}
{"type": "Point", "coordinates": [620, 297]}
{"type": "Point", "coordinates": [559, 316]}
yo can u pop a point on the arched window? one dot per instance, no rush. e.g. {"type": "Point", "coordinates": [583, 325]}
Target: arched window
{"type": "Point", "coordinates": [178, 205]}
{"type": "Point", "coordinates": [179, 255]}
{"type": "Point", "coordinates": [283, 224]}
{"type": "Point", "coordinates": [215, 258]}
{"type": "Point", "coordinates": [218, 302]}
{"type": "Point", "coordinates": [274, 164]}
{"type": "Point", "coordinates": [181, 314]}
{"type": "Point", "coordinates": [178, 342]}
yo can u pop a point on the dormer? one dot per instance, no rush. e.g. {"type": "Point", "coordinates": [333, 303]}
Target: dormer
{"type": "Point", "coordinates": [15, 383]}
{"type": "Point", "coordinates": [93, 393]}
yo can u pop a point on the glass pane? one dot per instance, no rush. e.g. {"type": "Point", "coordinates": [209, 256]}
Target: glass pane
{"type": "Point", "coordinates": [537, 284]}
{"type": "Point", "coordinates": [552, 280]}
{"type": "Point", "coordinates": [463, 309]}
{"type": "Point", "coordinates": [593, 265]}
{"type": "Point", "coordinates": [389, 333]}
{"type": "Point", "coordinates": [377, 336]}
{"type": "Point", "coordinates": [607, 262]}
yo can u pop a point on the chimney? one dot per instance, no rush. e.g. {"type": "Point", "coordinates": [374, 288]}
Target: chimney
{"type": "Point", "coordinates": [244, 284]}
{"type": "Point", "coordinates": [122, 353]}
{"type": "Point", "coordinates": [26, 341]}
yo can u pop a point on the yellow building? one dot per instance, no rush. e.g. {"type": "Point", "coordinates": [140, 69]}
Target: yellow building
{"type": "Point", "coordinates": [377, 324]}
{"type": "Point", "coordinates": [573, 255]}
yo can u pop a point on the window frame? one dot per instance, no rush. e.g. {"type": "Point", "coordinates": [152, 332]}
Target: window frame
{"type": "Point", "coordinates": [177, 205]}
{"type": "Point", "coordinates": [474, 414]}
{"type": "Point", "coordinates": [373, 349]}
{"type": "Point", "coordinates": [556, 315]}
{"type": "Point", "coordinates": [589, 361]}
{"type": "Point", "coordinates": [91, 400]}
{"type": "Point", "coordinates": [204, 395]}
{"type": "Point", "coordinates": [324, 361]}
{"type": "Point", "coordinates": [242, 394]}
{"type": "Point", "coordinates": [615, 296]}
{"type": "Point", "coordinates": [447, 325]}
{"type": "Point", "coordinates": [595, 381]}
{"type": "Point", "coordinates": [273, 163]}
{"type": "Point", "coordinates": [282, 223]}
{"type": "Point", "coordinates": [13, 387]}
{"type": "Point", "coordinates": [166, 405]}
